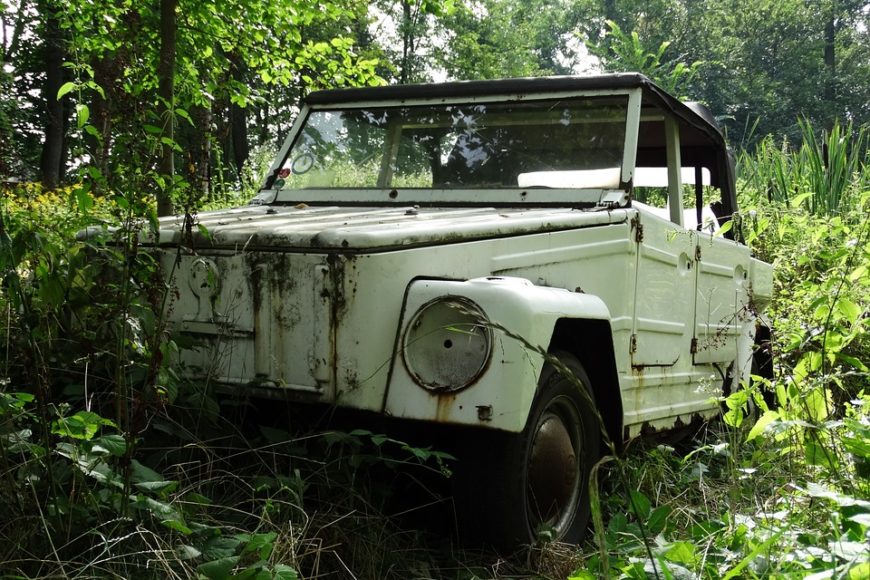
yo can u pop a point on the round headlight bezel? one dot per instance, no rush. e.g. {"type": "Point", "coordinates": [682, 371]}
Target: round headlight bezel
{"type": "Point", "coordinates": [440, 334]}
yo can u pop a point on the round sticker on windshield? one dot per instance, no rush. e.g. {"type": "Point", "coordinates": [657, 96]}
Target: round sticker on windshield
{"type": "Point", "coordinates": [302, 163]}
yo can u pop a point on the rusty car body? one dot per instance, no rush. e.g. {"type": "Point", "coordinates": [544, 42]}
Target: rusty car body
{"type": "Point", "coordinates": [524, 257]}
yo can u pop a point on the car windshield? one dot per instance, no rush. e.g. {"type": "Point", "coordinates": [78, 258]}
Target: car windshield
{"type": "Point", "coordinates": [575, 142]}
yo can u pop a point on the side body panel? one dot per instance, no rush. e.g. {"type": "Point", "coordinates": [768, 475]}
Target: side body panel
{"type": "Point", "coordinates": [721, 300]}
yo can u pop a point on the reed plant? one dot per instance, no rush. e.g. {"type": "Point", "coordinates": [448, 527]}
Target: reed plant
{"type": "Point", "coordinates": [823, 174]}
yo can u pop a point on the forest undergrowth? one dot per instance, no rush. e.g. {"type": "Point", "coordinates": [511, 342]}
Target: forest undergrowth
{"type": "Point", "coordinates": [112, 465]}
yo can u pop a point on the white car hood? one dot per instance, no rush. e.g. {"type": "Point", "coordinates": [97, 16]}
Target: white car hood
{"type": "Point", "coordinates": [364, 228]}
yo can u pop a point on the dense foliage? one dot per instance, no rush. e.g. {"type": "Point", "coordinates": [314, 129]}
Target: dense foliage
{"type": "Point", "coordinates": [113, 466]}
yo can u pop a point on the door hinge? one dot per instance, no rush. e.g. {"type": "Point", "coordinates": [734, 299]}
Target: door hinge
{"type": "Point", "coordinates": [694, 346]}
{"type": "Point", "coordinates": [697, 253]}
{"type": "Point", "coordinates": [638, 229]}
{"type": "Point", "coordinates": [632, 344]}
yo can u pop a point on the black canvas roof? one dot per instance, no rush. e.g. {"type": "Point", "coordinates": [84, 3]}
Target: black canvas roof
{"type": "Point", "coordinates": [698, 117]}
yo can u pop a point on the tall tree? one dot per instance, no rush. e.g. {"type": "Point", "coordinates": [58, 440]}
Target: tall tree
{"type": "Point", "coordinates": [139, 73]}
{"type": "Point", "coordinates": [166, 95]}
{"type": "Point", "coordinates": [52, 163]}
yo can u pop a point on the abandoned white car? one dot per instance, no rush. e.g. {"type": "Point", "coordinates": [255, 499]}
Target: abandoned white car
{"type": "Point", "coordinates": [443, 253]}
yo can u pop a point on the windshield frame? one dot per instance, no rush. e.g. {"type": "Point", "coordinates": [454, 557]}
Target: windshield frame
{"type": "Point", "coordinates": [532, 196]}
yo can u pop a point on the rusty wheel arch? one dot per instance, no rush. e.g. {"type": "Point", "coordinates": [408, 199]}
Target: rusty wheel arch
{"type": "Point", "coordinates": [591, 342]}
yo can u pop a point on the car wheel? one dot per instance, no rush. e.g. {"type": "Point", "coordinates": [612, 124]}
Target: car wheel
{"type": "Point", "coordinates": [534, 484]}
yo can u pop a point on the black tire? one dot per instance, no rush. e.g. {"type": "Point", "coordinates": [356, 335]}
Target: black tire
{"type": "Point", "coordinates": [536, 481]}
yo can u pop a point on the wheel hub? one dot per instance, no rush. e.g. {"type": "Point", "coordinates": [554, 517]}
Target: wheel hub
{"type": "Point", "coordinates": [553, 486]}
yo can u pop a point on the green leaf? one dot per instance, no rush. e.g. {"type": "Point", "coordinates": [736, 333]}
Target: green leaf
{"type": "Point", "coordinates": [178, 526]}
{"type": "Point", "coordinates": [284, 572]}
{"type": "Point", "coordinates": [204, 231]}
{"type": "Point", "coordinates": [82, 114]}
{"type": "Point", "coordinates": [859, 571]}
{"type": "Point", "coordinates": [184, 115]}
{"type": "Point", "coordinates": [682, 553]}
{"type": "Point", "coordinates": [640, 505]}
{"type": "Point", "coordinates": [64, 89]}
{"type": "Point", "coordinates": [83, 198]}
{"type": "Point", "coordinates": [762, 423]}
{"type": "Point", "coordinates": [724, 228]}
{"type": "Point", "coordinates": [760, 548]}
{"type": "Point", "coordinates": [818, 454]}
{"type": "Point", "coordinates": [262, 544]}
{"type": "Point", "coordinates": [852, 361]}
{"type": "Point", "coordinates": [171, 143]}
{"type": "Point", "coordinates": [82, 426]}
{"type": "Point", "coordinates": [658, 519]}
{"type": "Point", "coordinates": [221, 547]}
{"type": "Point", "coordinates": [218, 569]}
{"type": "Point", "coordinates": [799, 199]}
{"type": "Point", "coordinates": [113, 444]}
{"type": "Point", "coordinates": [197, 498]}
{"type": "Point", "coordinates": [157, 486]}
{"type": "Point", "coordinates": [142, 474]}
{"type": "Point", "coordinates": [848, 309]}
{"type": "Point", "coordinates": [859, 273]}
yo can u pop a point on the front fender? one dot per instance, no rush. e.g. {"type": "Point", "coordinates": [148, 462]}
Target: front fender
{"type": "Point", "coordinates": [522, 317]}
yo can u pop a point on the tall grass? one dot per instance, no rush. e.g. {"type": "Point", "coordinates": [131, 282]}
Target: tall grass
{"type": "Point", "coordinates": [823, 174]}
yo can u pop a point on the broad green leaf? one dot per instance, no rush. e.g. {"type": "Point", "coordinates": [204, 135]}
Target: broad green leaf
{"type": "Point", "coordinates": [818, 454]}
{"type": "Point", "coordinates": [82, 425]}
{"type": "Point", "coordinates": [204, 231]}
{"type": "Point", "coordinates": [221, 547]}
{"type": "Point", "coordinates": [849, 310]}
{"type": "Point", "coordinates": [218, 569]}
{"type": "Point", "coordinates": [859, 273]}
{"type": "Point", "coordinates": [815, 404]}
{"type": "Point", "coordinates": [859, 571]}
{"type": "Point", "coordinates": [82, 114]}
{"type": "Point", "coordinates": [768, 418]}
{"type": "Point", "coordinates": [724, 228]}
{"type": "Point", "coordinates": [113, 444]}
{"type": "Point", "coordinates": [658, 519]}
{"type": "Point", "coordinates": [640, 505]}
{"type": "Point", "coordinates": [284, 572]}
{"type": "Point", "coordinates": [157, 486]}
{"type": "Point", "coordinates": [197, 498]}
{"type": "Point", "coordinates": [178, 526]}
{"type": "Point", "coordinates": [682, 553]}
{"type": "Point", "coordinates": [852, 361]}
{"type": "Point", "coordinates": [64, 89]}
{"type": "Point", "coordinates": [799, 199]}
{"type": "Point", "coordinates": [83, 198]}
{"type": "Point", "coordinates": [262, 544]}
{"type": "Point", "coordinates": [156, 507]}
{"type": "Point", "coordinates": [184, 115]}
{"type": "Point", "coordinates": [142, 474]}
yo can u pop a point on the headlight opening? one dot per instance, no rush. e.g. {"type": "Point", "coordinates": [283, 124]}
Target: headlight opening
{"type": "Point", "coordinates": [447, 344]}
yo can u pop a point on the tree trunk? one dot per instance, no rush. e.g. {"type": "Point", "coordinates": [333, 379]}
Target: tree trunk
{"type": "Point", "coordinates": [830, 61]}
{"type": "Point", "coordinates": [201, 151]}
{"type": "Point", "coordinates": [407, 43]}
{"type": "Point", "coordinates": [52, 160]}
{"type": "Point", "coordinates": [166, 92]}
{"type": "Point", "coordinates": [239, 121]}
